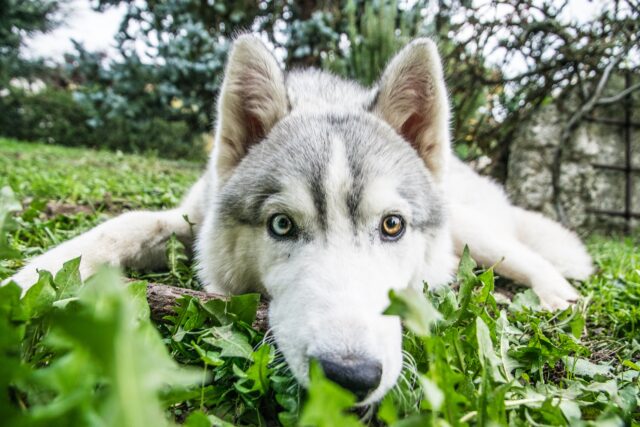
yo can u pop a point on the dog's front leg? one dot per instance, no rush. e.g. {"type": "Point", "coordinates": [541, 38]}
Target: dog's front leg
{"type": "Point", "coordinates": [134, 239]}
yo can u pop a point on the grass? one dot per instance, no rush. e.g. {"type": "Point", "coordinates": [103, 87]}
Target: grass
{"type": "Point", "coordinates": [88, 355]}
{"type": "Point", "coordinates": [65, 191]}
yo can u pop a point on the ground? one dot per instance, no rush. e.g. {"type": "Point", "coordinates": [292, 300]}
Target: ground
{"type": "Point", "coordinates": [71, 355]}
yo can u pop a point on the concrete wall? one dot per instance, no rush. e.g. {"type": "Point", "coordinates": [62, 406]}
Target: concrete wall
{"type": "Point", "coordinates": [583, 187]}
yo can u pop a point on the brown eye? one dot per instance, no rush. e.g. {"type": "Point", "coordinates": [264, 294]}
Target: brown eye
{"type": "Point", "coordinates": [392, 227]}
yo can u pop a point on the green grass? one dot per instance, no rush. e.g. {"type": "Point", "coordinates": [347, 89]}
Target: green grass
{"type": "Point", "coordinates": [66, 191]}
{"type": "Point", "coordinates": [89, 355]}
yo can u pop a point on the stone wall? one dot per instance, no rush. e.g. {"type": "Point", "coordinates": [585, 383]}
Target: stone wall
{"type": "Point", "coordinates": [583, 187]}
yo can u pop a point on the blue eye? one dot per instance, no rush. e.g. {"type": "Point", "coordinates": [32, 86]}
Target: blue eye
{"type": "Point", "coordinates": [280, 225]}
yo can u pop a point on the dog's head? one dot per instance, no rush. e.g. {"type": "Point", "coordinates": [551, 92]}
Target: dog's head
{"type": "Point", "coordinates": [329, 196]}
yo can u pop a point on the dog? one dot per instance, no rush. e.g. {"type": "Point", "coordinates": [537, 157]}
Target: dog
{"type": "Point", "coordinates": [323, 196]}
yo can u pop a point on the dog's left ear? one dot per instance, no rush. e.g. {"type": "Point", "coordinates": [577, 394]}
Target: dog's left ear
{"type": "Point", "coordinates": [412, 98]}
{"type": "Point", "coordinates": [253, 98]}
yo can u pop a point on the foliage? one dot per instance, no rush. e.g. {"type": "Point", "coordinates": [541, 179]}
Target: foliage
{"type": "Point", "coordinates": [503, 60]}
{"type": "Point", "coordinates": [48, 116]}
{"type": "Point", "coordinates": [376, 31]}
{"type": "Point", "coordinates": [58, 116]}
{"type": "Point", "coordinates": [19, 19]}
{"type": "Point", "coordinates": [470, 357]}
{"type": "Point", "coordinates": [153, 107]}
{"type": "Point", "coordinates": [78, 356]}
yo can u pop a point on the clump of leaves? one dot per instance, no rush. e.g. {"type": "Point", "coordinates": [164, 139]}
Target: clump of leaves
{"type": "Point", "coordinates": [72, 355]}
{"type": "Point", "coordinates": [79, 356]}
{"type": "Point", "coordinates": [250, 383]}
{"type": "Point", "coordinates": [480, 363]}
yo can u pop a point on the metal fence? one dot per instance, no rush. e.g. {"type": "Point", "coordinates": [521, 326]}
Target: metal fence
{"type": "Point", "coordinates": [628, 126]}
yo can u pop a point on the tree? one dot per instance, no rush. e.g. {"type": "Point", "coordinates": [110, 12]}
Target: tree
{"type": "Point", "coordinates": [18, 20]}
{"type": "Point", "coordinates": [503, 59]}
{"type": "Point", "coordinates": [558, 56]}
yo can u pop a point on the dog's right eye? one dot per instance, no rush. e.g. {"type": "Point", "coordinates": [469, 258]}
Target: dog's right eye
{"type": "Point", "coordinates": [280, 225]}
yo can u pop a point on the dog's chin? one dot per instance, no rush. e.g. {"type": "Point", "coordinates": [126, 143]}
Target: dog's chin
{"type": "Point", "coordinates": [373, 398]}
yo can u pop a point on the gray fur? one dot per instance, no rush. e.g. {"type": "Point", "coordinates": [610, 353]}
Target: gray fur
{"type": "Point", "coordinates": [299, 147]}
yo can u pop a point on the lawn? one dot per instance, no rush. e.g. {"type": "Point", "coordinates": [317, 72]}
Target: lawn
{"type": "Point", "coordinates": [89, 355]}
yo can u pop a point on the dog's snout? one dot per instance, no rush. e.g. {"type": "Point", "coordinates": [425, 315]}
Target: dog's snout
{"type": "Point", "coordinates": [360, 376]}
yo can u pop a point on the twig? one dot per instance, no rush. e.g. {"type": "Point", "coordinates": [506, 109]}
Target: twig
{"type": "Point", "coordinates": [508, 404]}
{"type": "Point", "coordinates": [618, 97]}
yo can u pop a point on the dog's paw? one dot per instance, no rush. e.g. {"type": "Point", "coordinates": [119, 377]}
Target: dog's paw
{"type": "Point", "coordinates": [556, 294]}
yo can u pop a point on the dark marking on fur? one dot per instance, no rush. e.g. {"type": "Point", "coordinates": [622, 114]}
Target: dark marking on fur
{"type": "Point", "coordinates": [354, 195]}
{"type": "Point", "coordinates": [373, 102]}
{"type": "Point", "coordinates": [246, 207]}
{"type": "Point", "coordinates": [319, 200]}
{"type": "Point", "coordinates": [317, 172]}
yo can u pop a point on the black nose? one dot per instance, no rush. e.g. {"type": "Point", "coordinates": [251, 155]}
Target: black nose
{"type": "Point", "coordinates": [360, 376]}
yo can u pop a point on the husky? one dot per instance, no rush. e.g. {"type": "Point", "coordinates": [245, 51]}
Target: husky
{"type": "Point", "coordinates": [323, 196]}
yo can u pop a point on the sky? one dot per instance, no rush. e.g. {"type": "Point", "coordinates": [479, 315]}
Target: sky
{"type": "Point", "coordinates": [96, 30]}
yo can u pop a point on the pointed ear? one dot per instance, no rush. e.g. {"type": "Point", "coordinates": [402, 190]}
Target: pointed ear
{"type": "Point", "coordinates": [253, 98]}
{"type": "Point", "coordinates": [412, 98]}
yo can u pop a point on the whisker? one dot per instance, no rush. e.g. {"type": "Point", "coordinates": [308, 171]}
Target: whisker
{"type": "Point", "coordinates": [268, 338]}
{"type": "Point", "coordinates": [367, 411]}
{"type": "Point", "coordinates": [409, 358]}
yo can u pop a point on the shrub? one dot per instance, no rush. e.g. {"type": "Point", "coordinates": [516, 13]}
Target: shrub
{"type": "Point", "coordinates": [54, 116]}
{"type": "Point", "coordinates": [50, 116]}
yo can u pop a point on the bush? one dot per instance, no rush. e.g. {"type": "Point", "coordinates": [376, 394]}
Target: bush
{"type": "Point", "coordinates": [167, 139]}
{"type": "Point", "coordinates": [54, 116]}
{"type": "Point", "coordinates": [50, 116]}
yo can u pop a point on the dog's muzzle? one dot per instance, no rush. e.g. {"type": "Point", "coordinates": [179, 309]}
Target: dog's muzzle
{"type": "Point", "coordinates": [360, 376]}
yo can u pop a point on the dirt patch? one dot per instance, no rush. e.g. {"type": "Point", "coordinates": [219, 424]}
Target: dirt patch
{"type": "Point", "coordinates": [54, 208]}
{"type": "Point", "coordinates": [556, 373]}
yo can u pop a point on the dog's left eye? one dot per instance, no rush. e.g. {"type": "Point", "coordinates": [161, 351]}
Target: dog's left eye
{"type": "Point", "coordinates": [280, 225]}
{"type": "Point", "coordinates": [392, 227]}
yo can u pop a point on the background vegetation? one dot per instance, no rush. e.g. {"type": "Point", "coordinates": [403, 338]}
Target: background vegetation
{"type": "Point", "coordinates": [503, 60]}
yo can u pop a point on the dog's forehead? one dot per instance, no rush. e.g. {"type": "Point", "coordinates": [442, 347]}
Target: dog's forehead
{"type": "Point", "coordinates": [338, 159]}
{"type": "Point", "coordinates": [314, 145]}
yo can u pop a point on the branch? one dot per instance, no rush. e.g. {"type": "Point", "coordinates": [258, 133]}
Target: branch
{"type": "Point", "coordinates": [566, 134]}
{"type": "Point", "coordinates": [592, 102]}
{"type": "Point", "coordinates": [162, 300]}
{"type": "Point", "coordinates": [619, 96]}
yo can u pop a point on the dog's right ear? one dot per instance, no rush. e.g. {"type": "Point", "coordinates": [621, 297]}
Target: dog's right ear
{"type": "Point", "coordinates": [253, 98]}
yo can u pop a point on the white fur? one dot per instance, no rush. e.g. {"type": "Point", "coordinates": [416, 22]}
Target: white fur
{"type": "Point", "coordinates": [525, 246]}
{"type": "Point", "coordinates": [327, 295]}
